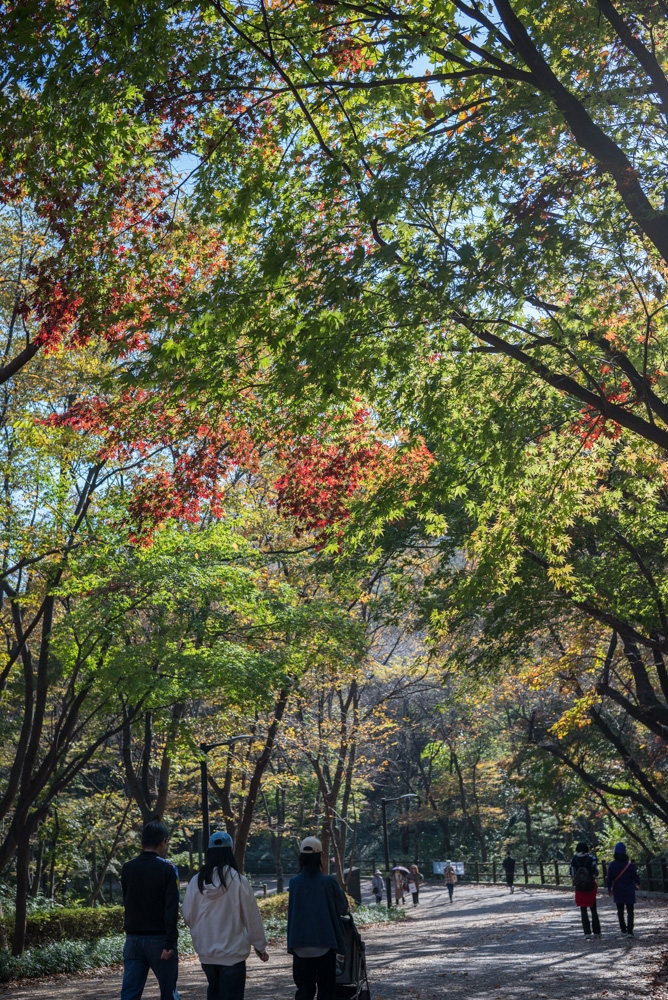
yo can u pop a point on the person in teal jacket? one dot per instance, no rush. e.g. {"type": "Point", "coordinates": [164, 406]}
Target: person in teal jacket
{"type": "Point", "coordinates": [315, 936]}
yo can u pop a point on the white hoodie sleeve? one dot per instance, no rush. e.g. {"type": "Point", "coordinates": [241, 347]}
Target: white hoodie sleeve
{"type": "Point", "coordinates": [187, 907]}
{"type": "Point", "coordinates": [250, 915]}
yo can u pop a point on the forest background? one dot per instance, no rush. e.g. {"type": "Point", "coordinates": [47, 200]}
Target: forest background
{"type": "Point", "coordinates": [333, 413]}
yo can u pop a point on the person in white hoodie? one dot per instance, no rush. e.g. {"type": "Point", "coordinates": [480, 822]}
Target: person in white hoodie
{"type": "Point", "coordinates": [223, 916]}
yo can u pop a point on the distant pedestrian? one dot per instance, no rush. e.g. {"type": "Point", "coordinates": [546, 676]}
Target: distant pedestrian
{"type": "Point", "coordinates": [400, 885]}
{"type": "Point", "coordinates": [315, 936]}
{"type": "Point", "coordinates": [584, 869]}
{"type": "Point", "coordinates": [449, 877]}
{"type": "Point", "coordinates": [223, 916]}
{"type": "Point", "coordinates": [377, 886]}
{"type": "Point", "coordinates": [509, 868]}
{"type": "Point", "coordinates": [151, 898]}
{"type": "Point", "coordinates": [415, 880]}
{"type": "Point", "coordinates": [621, 881]}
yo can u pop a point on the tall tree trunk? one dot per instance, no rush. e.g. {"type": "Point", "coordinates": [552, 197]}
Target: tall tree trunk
{"type": "Point", "coordinates": [52, 866]}
{"type": "Point", "coordinates": [22, 886]}
{"type": "Point", "coordinates": [527, 825]}
{"type": "Point", "coordinates": [96, 889]}
{"type": "Point", "coordinates": [276, 839]}
{"type": "Point", "coordinates": [3, 930]}
{"type": "Point", "coordinates": [37, 874]}
{"type": "Point", "coordinates": [256, 779]}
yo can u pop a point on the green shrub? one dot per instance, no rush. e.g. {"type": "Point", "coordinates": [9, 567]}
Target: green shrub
{"type": "Point", "coordinates": [73, 956]}
{"type": "Point", "coordinates": [364, 916]}
{"type": "Point", "coordinates": [274, 910]}
{"type": "Point", "coordinates": [61, 956]}
{"type": "Point", "coordinates": [52, 956]}
{"type": "Point", "coordinates": [274, 906]}
{"type": "Point", "coordinates": [80, 923]}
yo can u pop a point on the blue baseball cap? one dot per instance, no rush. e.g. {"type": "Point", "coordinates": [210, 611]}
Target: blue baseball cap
{"type": "Point", "coordinates": [220, 840]}
{"type": "Point", "coordinates": [620, 848]}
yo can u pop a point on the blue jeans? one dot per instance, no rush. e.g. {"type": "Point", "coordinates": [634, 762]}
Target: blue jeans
{"type": "Point", "coordinates": [141, 953]}
{"type": "Point", "coordinates": [226, 982]}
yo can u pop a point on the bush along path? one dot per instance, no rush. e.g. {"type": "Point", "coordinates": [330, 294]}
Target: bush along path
{"type": "Point", "coordinates": [486, 945]}
{"type": "Point", "coordinates": [81, 940]}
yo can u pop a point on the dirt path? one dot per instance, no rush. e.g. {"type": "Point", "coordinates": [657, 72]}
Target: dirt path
{"type": "Point", "coordinates": [487, 945]}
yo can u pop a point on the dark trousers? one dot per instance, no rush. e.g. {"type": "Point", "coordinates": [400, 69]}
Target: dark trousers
{"type": "Point", "coordinates": [628, 926]}
{"type": "Point", "coordinates": [309, 973]}
{"type": "Point", "coordinates": [226, 982]}
{"type": "Point", "coordinates": [141, 953]}
{"type": "Point", "coordinates": [415, 896]}
{"type": "Point", "coordinates": [595, 923]}
{"type": "Point", "coordinates": [450, 886]}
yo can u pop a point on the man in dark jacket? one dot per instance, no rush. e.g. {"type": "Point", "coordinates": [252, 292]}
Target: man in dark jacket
{"type": "Point", "coordinates": [151, 897]}
{"type": "Point", "coordinates": [509, 868]}
{"type": "Point", "coordinates": [315, 936]}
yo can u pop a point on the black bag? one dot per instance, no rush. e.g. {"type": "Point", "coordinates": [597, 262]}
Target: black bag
{"type": "Point", "coordinates": [583, 877]}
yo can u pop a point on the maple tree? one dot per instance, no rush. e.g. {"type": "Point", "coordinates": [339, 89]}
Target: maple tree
{"type": "Point", "coordinates": [413, 289]}
{"type": "Point", "coordinates": [479, 251]}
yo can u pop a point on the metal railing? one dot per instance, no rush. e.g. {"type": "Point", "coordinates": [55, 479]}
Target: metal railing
{"type": "Point", "coordinates": [653, 874]}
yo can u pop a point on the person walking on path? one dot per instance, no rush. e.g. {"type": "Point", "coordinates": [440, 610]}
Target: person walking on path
{"type": "Point", "coordinates": [398, 877]}
{"type": "Point", "coordinates": [415, 880]}
{"type": "Point", "coordinates": [622, 879]}
{"type": "Point", "coordinates": [223, 916]}
{"type": "Point", "coordinates": [449, 877]}
{"type": "Point", "coordinates": [584, 870]}
{"type": "Point", "coordinates": [315, 937]}
{"type": "Point", "coordinates": [377, 886]}
{"type": "Point", "coordinates": [509, 868]}
{"type": "Point", "coordinates": [151, 899]}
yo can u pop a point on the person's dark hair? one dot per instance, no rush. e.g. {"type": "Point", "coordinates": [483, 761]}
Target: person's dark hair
{"type": "Point", "coordinates": [310, 862]}
{"type": "Point", "coordinates": [621, 857]}
{"type": "Point", "coordinates": [582, 847]}
{"type": "Point", "coordinates": [217, 859]}
{"type": "Point", "coordinates": [153, 834]}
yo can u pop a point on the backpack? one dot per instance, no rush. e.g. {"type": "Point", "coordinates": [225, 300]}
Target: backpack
{"type": "Point", "coordinates": [583, 877]}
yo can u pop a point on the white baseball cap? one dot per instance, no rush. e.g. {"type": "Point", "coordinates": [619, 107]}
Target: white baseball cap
{"type": "Point", "coordinates": [310, 845]}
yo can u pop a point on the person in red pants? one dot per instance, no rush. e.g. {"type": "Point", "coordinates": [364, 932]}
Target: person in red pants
{"type": "Point", "coordinates": [584, 870]}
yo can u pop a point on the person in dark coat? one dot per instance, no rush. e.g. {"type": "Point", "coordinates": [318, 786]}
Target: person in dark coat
{"type": "Point", "coordinates": [150, 887]}
{"type": "Point", "coordinates": [315, 935]}
{"type": "Point", "coordinates": [584, 869]}
{"type": "Point", "coordinates": [509, 868]}
{"type": "Point", "coordinates": [621, 881]}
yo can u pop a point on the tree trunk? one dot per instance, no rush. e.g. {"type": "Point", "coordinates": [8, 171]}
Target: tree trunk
{"type": "Point", "coordinates": [256, 778]}
{"type": "Point", "coordinates": [92, 875]}
{"type": "Point", "coordinates": [527, 825]}
{"type": "Point", "coordinates": [96, 889]}
{"type": "Point", "coordinates": [22, 878]}
{"type": "Point", "coordinates": [276, 845]}
{"type": "Point", "coordinates": [3, 931]}
{"type": "Point", "coordinates": [37, 874]}
{"type": "Point", "coordinates": [404, 829]}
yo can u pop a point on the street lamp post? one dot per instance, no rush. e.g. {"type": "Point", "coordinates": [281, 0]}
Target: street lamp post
{"type": "Point", "coordinates": [386, 845]}
{"type": "Point", "coordinates": [205, 748]}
